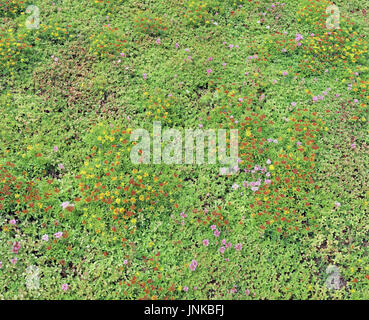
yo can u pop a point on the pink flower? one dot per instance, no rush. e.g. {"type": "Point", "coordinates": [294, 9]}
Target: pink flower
{"type": "Point", "coordinates": [65, 286]}
{"type": "Point", "coordinates": [45, 237]}
{"type": "Point", "coordinates": [238, 246]}
{"type": "Point", "coordinates": [65, 204]}
{"type": "Point", "coordinates": [193, 265]}
{"type": "Point", "coordinates": [144, 76]}
{"type": "Point", "coordinates": [205, 242]}
{"type": "Point", "coordinates": [235, 186]}
{"type": "Point", "coordinates": [247, 292]}
{"type": "Point", "coordinates": [185, 289]}
{"type": "Point", "coordinates": [16, 247]}
{"type": "Point", "coordinates": [61, 166]}
{"type": "Point", "coordinates": [14, 260]}
{"type": "Point", "coordinates": [285, 73]}
{"type": "Point", "coordinates": [222, 249]}
{"type": "Point", "coordinates": [216, 233]}
{"type": "Point", "coordinates": [213, 227]}
{"type": "Point", "coordinates": [55, 148]}
{"type": "Point", "coordinates": [58, 235]}
{"type": "Point", "coordinates": [158, 41]}
{"type": "Point", "coordinates": [13, 222]}
{"type": "Point", "coordinates": [1, 264]}
{"type": "Point", "coordinates": [299, 37]}
{"type": "Point", "coordinates": [209, 71]}
{"type": "Point", "coordinates": [125, 261]}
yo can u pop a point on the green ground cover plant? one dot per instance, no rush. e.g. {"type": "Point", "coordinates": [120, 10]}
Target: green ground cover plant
{"type": "Point", "coordinates": [80, 220]}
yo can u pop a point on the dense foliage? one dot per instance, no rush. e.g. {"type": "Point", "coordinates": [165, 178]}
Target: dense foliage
{"type": "Point", "coordinates": [79, 220]}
